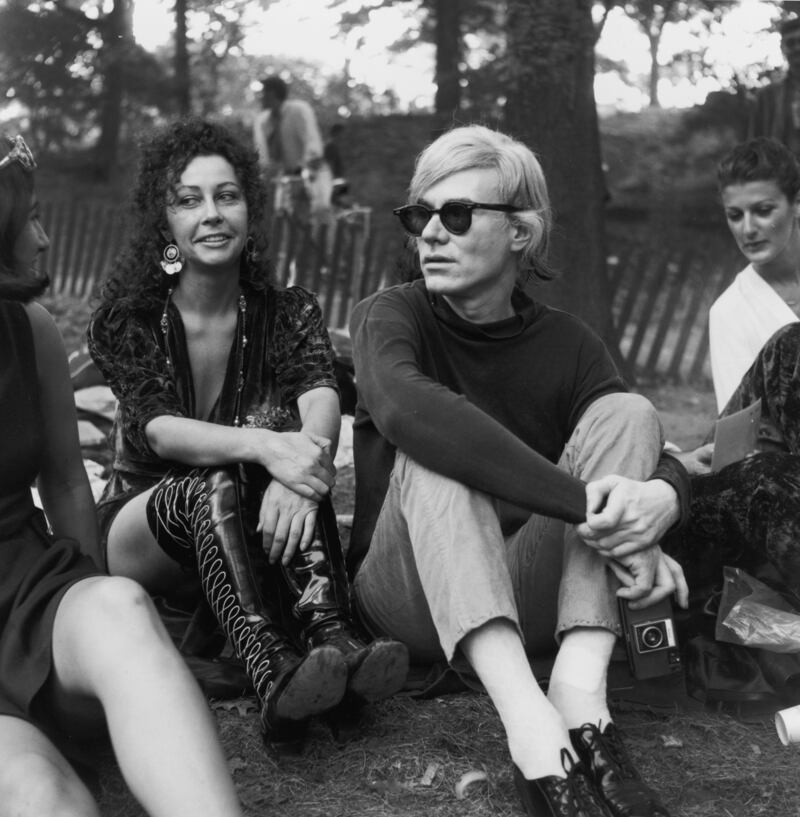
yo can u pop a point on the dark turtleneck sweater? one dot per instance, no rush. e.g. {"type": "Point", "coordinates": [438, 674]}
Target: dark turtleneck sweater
{"type": "Point", "coordinates": [489, 405]}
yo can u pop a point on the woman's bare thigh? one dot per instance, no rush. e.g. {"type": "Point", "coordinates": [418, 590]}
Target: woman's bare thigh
{"type": "Point", "coordinates": [132, 550]}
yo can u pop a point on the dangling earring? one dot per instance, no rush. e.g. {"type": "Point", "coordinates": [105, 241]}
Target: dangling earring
{"type": "Point", "coordinates": [172, 262]}
{"type": "Point", "coordinates": [250, 252]}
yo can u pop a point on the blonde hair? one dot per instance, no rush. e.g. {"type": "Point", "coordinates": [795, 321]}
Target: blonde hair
{"type": "Point", "coordinates": [521, 183]}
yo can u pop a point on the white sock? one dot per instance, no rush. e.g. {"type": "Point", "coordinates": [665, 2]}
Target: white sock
{"type": "Point", "coordinates": [532, 741]}
{"type": "Point", "coordinates": [577, 686]}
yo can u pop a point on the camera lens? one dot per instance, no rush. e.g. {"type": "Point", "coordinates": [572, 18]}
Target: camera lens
{"type": "Point", "coordinates": [652, 637]}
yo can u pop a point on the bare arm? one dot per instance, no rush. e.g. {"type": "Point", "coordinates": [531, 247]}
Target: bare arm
{"type": "Point", "coordinates": [299, 460]}
{"type": "Point", "coordinates": [287, 520]}
{"type": "Point", "coordinates": [320, 414]}
{"type": "Point", "coordinates": [63, 485]}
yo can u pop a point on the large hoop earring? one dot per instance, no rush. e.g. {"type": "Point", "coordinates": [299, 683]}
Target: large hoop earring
{"type": "Point", "coordinates": [250, 251]}
{"type": "Point", "coordinates": [172, 261]}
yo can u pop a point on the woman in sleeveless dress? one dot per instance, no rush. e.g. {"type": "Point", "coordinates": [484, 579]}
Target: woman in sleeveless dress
{"type": "Point", "coordinates": [75, 645]}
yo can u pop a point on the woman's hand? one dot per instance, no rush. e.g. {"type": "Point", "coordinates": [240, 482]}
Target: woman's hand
{"type": "Point", "coordinates": [286, 521]}
{"type": "Point", "coordinates": [301, 461]}
{"type": "Point", "coordinates": [697, 461]}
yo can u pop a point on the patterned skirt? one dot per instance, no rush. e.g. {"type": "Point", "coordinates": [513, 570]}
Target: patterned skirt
{"type": "Point", "coordinates": [749, 512]}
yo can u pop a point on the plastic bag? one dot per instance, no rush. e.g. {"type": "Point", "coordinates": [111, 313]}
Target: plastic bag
{"type": "Point", "coordinates": [755, 615]}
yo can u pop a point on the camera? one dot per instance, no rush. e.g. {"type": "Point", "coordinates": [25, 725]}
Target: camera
{"type": "Point", "coordinates": [650, 640]}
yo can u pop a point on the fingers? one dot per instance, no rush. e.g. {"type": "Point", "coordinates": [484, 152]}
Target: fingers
{"type": "Point", "coordinates": [668, 579]}
{"type": "Point", "coordinates": [622, 573]}
{"type": "Point", "coordinates": [309, 526]}
{"type": "Point", "coordinates": [325, 445]}
{"type": "Point", "coordinates": [286, 521]}
{"type": "Point", "coordinates": [607, 501]}
{"type": "Point", "coordinates": [312, 488]}
{"type": "Point", "coordinates": [289, 532]}
{"type": "Point", "coordinates": [681, 585]}
{"type": "Point", "coordinates": [597, 492]}
{"type": "Point", "coordinates": [646, 598]}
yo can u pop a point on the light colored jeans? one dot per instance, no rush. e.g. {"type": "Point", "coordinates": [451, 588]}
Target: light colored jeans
{"type": "Point", "coordinates": [439, 566]}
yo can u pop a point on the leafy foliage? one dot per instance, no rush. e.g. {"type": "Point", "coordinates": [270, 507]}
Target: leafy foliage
{"type": "Point", "coordinates": [54, 60]}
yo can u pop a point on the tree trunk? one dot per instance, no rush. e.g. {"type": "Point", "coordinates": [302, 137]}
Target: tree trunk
{"type": "Point", "coordinates": [551, 107]}
{"type": "Point", "coordinates": [118, 35]}
{"type": "Point", "coordinates": [448, 57]}
{"type": "Point", "coordinates": [655, 71]}
{"type": "Point", "coordinates": [182, 95]}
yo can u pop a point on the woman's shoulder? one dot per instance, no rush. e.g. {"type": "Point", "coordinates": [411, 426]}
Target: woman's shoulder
{"type": "Point", "coordinates": [40, 320]}
{"type": "Point", "coordinates": [46, 336]}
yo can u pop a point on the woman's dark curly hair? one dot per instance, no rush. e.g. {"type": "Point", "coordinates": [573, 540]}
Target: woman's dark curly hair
{"type": "Point", "coordinates": [136, 279]}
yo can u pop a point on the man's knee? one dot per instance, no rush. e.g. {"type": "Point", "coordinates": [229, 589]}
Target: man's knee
{"type": "Point", "coordinates": [32, 785]}
{"type": "Point", "coordinates": [625, 407]}
{"type": "Point", "coordinates": [618, 434]}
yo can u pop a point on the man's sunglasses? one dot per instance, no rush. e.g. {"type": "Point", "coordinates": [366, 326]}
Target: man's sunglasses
{"type": "Point", "coordinates": [19, 152]}
{"type": "Point", "coordinates": [456, 216]}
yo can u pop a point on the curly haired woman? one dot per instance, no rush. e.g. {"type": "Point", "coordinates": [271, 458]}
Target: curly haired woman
{"type": "Point", "coordinates": [227, 425]}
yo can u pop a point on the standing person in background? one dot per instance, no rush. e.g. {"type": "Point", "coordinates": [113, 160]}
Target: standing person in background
{"type": "Point", "coordinates": [340, 197]}
{"type": "Point", "coordinates": [75, 646]}
{"type": "Point", "coordinates": [776, 111]}
{"type": "Point", "coordinates": [289, 143]}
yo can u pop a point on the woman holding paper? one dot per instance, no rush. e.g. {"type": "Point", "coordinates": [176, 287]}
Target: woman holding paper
{"type": "Point", "coordinates": [749, 511]}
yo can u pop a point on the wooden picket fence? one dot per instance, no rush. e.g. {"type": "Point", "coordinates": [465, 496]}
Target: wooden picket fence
{"type": "Point", "coordinates": [84, 237]}
{"type": "Point", "coordinates": [661, 297]}
{"type": "Point", "coordinates": [661, 292]}
{"type": "Point", "coordinates": [330, 259]}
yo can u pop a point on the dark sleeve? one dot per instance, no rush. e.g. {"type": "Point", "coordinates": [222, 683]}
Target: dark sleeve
{"type": "Point", "coordinates": [442, 430]}
{"type": "Point", "coordinates": [671, 470]}
{"type": "Point", "coordinates": [135, 368]}
{"type": "Point", "coordinates": [303, 353]}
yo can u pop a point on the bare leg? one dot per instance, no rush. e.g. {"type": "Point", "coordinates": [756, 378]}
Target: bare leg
{"type": "Point", "coordinates": [108, 642]}
{"type": "Point", "coordinates": [35, 779]}
{"type": "Point", "coordinates": [133, 552]}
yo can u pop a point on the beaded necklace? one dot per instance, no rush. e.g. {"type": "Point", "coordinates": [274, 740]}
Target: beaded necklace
{"type": "Point", "coordinates": [241, 345]}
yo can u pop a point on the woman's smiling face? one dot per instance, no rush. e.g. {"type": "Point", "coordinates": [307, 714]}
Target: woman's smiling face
{"type": "Point", "coordinates": [207, 214]}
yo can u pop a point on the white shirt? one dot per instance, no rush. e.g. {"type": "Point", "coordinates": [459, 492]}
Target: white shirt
{"type": "Point", "coordinates": [747, 314]}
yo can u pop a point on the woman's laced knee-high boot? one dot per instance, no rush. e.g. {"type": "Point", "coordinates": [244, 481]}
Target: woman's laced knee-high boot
{"type": "Point", "coordinates": [197, 519]}
{"type": "Point", "coordinates": [317, 581]}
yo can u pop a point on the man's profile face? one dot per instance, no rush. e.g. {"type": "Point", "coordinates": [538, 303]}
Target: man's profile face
{"type": "Point", "coordinates": [482, 260]}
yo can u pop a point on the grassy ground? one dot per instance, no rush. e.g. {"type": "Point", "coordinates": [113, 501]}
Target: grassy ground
{"type": "Point", "coordinates": [411, 754]}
